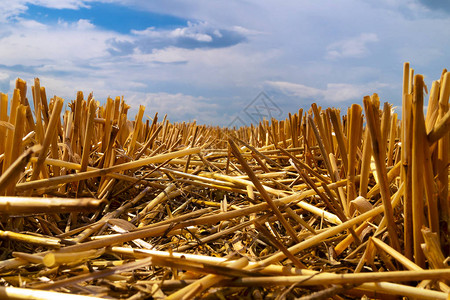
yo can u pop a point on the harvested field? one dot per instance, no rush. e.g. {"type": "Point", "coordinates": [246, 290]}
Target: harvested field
{"type": "Point", "coordinates": [324, 204]}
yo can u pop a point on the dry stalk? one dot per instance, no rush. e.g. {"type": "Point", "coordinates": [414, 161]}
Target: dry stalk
{"type": "Point", "coordinates": [134, 208]}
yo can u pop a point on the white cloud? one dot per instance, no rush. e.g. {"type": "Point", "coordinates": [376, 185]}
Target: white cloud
{"type": "Point", "coordinates": [60, 4]}
{"type": "Point", "coordinates": [31, 43]}
{"type": "Point", "coordinates": [247, 31]}
{"type": "Point", "coordinates": [178, 106]}
{"type": "Point", "coordinates": [80, 25]}
{"type": "Point", "coordinates": [84, 24]}
{"type": "Point", "coordinates": [296, 89]}
{"type": "Point", "coordinates": [31, 25]}
{"type": "Point", "coordinates": [351, 47]}
{"type": "Point", "coordinates": [4, 76]}
{"type": "Point", "coordinates": [338, 92]}
{"type": "Point", "coordinates": [168, 55]}
{"type": "Point", "coordinates": [193, 36]}
{"type": "Point", "coordinates": [333, 92]}
{"type": "Point", "coordinates": [188, 32]}
{"type": "Point", "coordinates": [12, 8]}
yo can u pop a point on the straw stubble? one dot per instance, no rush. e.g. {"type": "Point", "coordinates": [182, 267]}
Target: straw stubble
{"type": "Point", "coordinates": [103, 204]}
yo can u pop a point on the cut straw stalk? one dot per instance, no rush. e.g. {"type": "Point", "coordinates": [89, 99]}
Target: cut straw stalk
{"type": "Point", "coordinates": [340, 137]}
{"type": "Point", "coordinates": [432, 249]}
{"type": "Point", "coordinates": [3, 118]}
{"type": "Point", "coordinates": [14, 293]}
{"type": "Point", "coordinates": [75, 134]}
{"type": "Point", "coordinates": [340, 190]}
{"type": "Point", "coordinates": [136, 130]}
{"type": "Point", "coordinates": [417, 171]}
{"type": "Point", "coordinates": [406, 137]}
{"type": "Point", "coordinates": [108, 124]}
{"type": "Point", "coordinates": [51, 130]}
{"type": "Point", "coordinates": [54, 181]}
{"type": "Point", "coordinates": [26, 238]}
{"type": "Point", "coordinates": [194, 137]}
{"type": "Point", "coordinates": [429, 181]}
{"type": "Point", "coordinates": [443, 156]}
{"type": "Point", "coordinates": [204, 177]}
{"type": "Point", "coordinates": [433, 106]}
{"type": "Point", "coordinates": [355, 278]}
{"type": "Point", "coordinates": [213, 186]}
{"type": "Point", "coordinates": [385, 127]}
{"type": "Point", "coordinates": [392, 140]}
{"type": "Point", "coordinates": [365, 164]}
{"type": "Point", "coordinates": [354, 140]}
{"type": "Point", "coordinates": [203, 259]}
{"type": "Point", "coordinates": [11, 175]}
{"type": "Point", "coordinates": [441, 128]}
{"type": "Point", "coordinates": [75, 166]}
{"type": "Point", "coordinates": [16, 148]}
{"type": "Point", "coordinates": [38, 113]}
{"type": "Point", "coordinates": [402, 290]}
{"type": "Point", "coordinates": [201, 268]}
{"type": "Point", "coordinates": [10, 134]}
{"type": "Point", "coordinates": [28, 257]}
{"type": "Point", "coordinates": [320, 142]}
{"type": "Point", "coordinates": [88, 136]}
{"type": "Point", "coordinates": [51, 260]}
{"type": "Point", "coordinates": [373, 289]}
{"type": "Point", "coordinates": [200, 285]}
{"type": "Point", "coordinates": [379, 153]}
{"type": "Point", "coordinates": [396, 255]}
{"type": "Point", "coordinates": [36, 205]}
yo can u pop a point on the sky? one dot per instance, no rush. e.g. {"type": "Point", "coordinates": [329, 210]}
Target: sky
{"type": "Point", "coordinates": [225, 63]}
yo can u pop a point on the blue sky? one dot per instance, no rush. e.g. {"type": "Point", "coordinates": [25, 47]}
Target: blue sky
{"type": "Point", "coordinates": [210, 60]}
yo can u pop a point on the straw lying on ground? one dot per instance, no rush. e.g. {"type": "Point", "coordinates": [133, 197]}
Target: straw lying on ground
{"type": "Point", "coordinates": [321, 204]}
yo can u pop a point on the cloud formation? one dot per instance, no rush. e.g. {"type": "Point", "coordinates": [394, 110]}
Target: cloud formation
{"type": "Point", "coordinates": [11, 9]}
{"type": "Point", "coordinates": [333, 92]}
{"type": "Point", "coordinates": [178, 106]}
{"type": "Point", "coordinates": [217, 56]}
{"type": "Point", "coordinates": [32, 43]}
{"type": "Point", "coordinates": [355, 47]}
{"type": "Point", "coordinates": [193, 36]}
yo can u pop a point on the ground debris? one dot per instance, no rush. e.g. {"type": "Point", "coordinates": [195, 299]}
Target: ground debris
{"type": "Point", "coordinates": [319, 205]}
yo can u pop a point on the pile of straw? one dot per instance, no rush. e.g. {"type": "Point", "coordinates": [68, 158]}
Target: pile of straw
{"type": "Point", "coordinates": [323, 204]}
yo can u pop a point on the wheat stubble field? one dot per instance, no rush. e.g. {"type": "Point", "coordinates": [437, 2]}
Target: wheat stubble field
{"type": "Point", "coordinates": [98, 204]}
